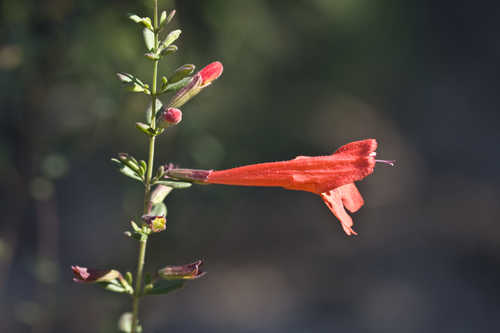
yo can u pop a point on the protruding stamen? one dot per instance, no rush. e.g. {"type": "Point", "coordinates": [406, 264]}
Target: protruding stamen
{"type": "Point", "coordinates": [388, 162]}
{"type": "Point", "coordinates": [374, 153]}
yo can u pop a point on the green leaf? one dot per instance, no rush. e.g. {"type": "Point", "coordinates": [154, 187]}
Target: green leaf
{"type": "Point", "coordinates": [163, 18]}
{"type": "Point", "coordinates": [145, 21]}
{"type": "Point", "coordinates": [159, 209]}
{"type": "Point", "coordinates": [144, 128]}
{"type": "Point", "coordinates": [133, 83]}
{"type": "Point", "coordinates": [169, 50]}
{"type": "Point", "coordinates": [149, 110]}
{"type": "Point", "coordinates": [177, 85]}
{"type": "Point", "coordinates": [171, 37]}
{"type": "Point", "coordinates": [174, 184]}
{"type": "Point", "coordinates": [129, 278]}
{"type": "Point", "coordinates": [149, 39]}
{"type": "Point", "coordinates": [126, 170]}
{"type": "Point", "coordinates": [181, 72]}
{"type": "Point", "coordinates": [113, 287]}
{"type": "Point", "coordinates": [164, 287]}
{"type": "Point", "coordinates": [129, 161]}
{"type": "Point", "coordinates": [135, 227]}
{"type": "Point", "coordinates": [143, 166]}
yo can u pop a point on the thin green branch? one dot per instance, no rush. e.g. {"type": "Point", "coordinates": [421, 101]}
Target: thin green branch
{"type": "Point", "coordinates": [147, 190]}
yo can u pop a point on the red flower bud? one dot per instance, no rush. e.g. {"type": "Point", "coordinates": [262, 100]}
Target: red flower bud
{"type": "Point", "coordinates": [211, 72]}
{"type": "Point", "coordinates": [169, 117]}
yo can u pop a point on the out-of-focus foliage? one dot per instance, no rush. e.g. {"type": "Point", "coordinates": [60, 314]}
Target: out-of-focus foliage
{"type": "Point", "coordinates": [301, 77]}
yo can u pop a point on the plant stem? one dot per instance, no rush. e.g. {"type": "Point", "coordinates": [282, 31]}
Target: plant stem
{"type": "Point", "coordinates": [147, 191]}
{"type": "Point", "coordinates": [138, 283]}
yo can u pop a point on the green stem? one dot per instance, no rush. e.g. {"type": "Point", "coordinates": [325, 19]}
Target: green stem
{"type": "Point", "coordinates": [138, 283]}
{"type": "Point", "coordinates": [147, 191]}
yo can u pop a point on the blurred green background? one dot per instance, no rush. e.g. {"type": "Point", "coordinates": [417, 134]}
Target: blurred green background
{"type": "Point", "coordinates": [301, 78]}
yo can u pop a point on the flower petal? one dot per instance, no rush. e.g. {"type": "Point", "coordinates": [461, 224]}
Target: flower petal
{"type": "Point", "coordinates": [348, 196]}
{"type": "Point", "coordinates": [351, 198]}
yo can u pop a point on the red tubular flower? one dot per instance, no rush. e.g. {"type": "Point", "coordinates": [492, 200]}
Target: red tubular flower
{"type": "Point", "coordinates": [332, 177]}
{"type": "Point", "coordinates": [210, 72]}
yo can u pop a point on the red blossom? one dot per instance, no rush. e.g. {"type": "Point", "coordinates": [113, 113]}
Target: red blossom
{"type": "Point", "coordinates": [332, 177]}
{"type": "Point", "coordinates": [210, 72]}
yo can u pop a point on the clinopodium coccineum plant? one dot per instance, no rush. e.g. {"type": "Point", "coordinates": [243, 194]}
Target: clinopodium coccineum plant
{"type": "Point", "coordinates": [331, 177]}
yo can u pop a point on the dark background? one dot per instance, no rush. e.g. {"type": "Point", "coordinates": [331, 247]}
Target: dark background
{"type": "Point", "coordinates": [300, 78]}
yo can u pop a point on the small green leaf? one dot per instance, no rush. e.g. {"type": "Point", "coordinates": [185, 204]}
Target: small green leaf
{"type": "Point", "coordinates": [129, 161]}
{"type": "Point", "coordinates": [171, 37]}
{"type": "Point", "coordinates": [129, 278]}
{"type": "Point", "coordinates": [149, 39]}
{"type": "Point", "coordinates": [135, 18]}
{"type": "Point", "coordinates": [181, 72]}
{"type": "Point", "coordinates": [163, 18]}
{"type": "Point", "coordinates": [126, 170]}
{"type": "Point", "coordinates": [124, 77]}
{"type": "Point", "coordinates": [177, 85]}
{"type": "Point", "coordinates": [169, 50]}
{"type": "Point", "coordinates": [113, 287]}
{"type": "Point", "coordinates": [149, 110]}
{"type": "Point", "coordinates": [146, 129]}
{"type": "Point", "coordinates": [133, 83]}
{"type": "Point", "coordinates": [174, 184]}
{"type": "Point", "coordinates": [143, 166]}
{"type": "Point", "coordinates": [145, 21]}
{"type": "Point", "coordinates": [164, 287]}
{"type": "Point", "coordinates": [159, 209]}
{"type": "Point", "coordinates": [135, 227]}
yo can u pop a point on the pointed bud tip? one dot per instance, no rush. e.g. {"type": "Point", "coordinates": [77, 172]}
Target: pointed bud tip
{"type": "Point", "coordinates": [211, 72]}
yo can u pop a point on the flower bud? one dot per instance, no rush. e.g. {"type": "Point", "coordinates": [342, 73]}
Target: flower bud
{"type": "Point", "coordinates": [210, 73]}
{"type": "Point", "coordinates": [86, 275]}
{"type": "Point", "coordinates": [186, 93]}
{"type": "Point", "coordinates": [156, 223]}
{"type": "Point", "coordinates": [169, 117]}
{"type": "Point", "coordinates": [193, 175]}
{"type": "Point", "coordinates": [159, 194]}
{"type": "Point", "coordinates": [183, 272]}
{"type": "Point", "coordinates": [181, 73]}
